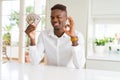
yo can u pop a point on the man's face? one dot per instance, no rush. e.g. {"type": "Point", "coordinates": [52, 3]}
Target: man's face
{"type": "Point", "coordinates": [58, 19]}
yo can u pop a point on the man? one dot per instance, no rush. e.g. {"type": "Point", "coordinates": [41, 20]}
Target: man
{"type": "Point", "coordinates": [62, 46]}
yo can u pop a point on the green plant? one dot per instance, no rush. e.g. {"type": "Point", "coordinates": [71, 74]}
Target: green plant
{"type": "Point", "coordinates": [7, 38]}
{"type": "Point", "coordinates": [7, 35]}
{"type": "Point", "coordinates": [103, 41]}
{"type": "Point", "coordinates": [14, 18]}
{"type": "Point", "coordinates": [111, 39]}
{"type": "Point", "coordinates": [100, 42]}
{"type": "Point", "coordinates": [29, 9]}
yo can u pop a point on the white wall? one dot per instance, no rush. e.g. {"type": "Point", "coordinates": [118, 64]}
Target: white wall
{"type": "Point", "coordinates": [103, 65]}
{"type": "Point", "coordinates": [105, 7]}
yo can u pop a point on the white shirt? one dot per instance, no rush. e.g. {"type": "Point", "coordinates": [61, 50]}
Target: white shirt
{"type": "Point", "coordinates": [59, 50]}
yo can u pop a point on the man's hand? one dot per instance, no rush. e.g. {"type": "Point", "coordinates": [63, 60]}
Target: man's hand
{"type": "Point", "coordinates": [70, 31]}
{"type": "Point", "coordinates": [30, 31]}
{"type": "Point", "coordinates": [33, 20]}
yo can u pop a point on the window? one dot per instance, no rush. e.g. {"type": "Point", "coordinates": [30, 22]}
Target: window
{"type": "Point", "coordinates": [10, 28]}
{"type": "Point", "coordinates": [13, 24]}
{"type": "Point", "coordinates": [106, 30]}
{"type": "Point", "coordinates": [103, 35]}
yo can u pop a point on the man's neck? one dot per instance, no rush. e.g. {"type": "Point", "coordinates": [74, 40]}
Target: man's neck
{"type": "Point", "coordinates": [58, 32]}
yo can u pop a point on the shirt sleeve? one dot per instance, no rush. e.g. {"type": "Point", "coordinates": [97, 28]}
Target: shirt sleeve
{"type": "Point", "coordinates": [36, 52]}
{"type": "Point", "coordinates": [79, 53]}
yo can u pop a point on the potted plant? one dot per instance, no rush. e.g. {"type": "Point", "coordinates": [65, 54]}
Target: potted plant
{"type": "Point", "coordinates": [100, 45]}
{"type": "Point", "coordinates": [101, 42]}
{"type": "Point", "coordinates": [7, 35]}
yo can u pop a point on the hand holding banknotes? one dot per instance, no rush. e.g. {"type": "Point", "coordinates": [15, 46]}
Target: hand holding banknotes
{"type": "Point", "coordinates": [32, 20]}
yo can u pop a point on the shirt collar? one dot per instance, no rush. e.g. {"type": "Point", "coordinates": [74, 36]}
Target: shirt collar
{"type": "Point", "coordinates": [51, 33]}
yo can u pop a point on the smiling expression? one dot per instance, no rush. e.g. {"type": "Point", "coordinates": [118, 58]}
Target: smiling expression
{"type": "Point", "coordinates": [58, 19]}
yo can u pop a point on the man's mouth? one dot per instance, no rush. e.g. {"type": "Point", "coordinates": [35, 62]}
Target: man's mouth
{"type": "Point", "coordinates": [55, 24]}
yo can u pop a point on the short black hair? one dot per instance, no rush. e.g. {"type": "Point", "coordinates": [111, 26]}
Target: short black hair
{"type": "Point", "coordinates": [60, 7]}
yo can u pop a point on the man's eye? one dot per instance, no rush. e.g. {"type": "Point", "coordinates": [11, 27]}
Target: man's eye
{"type": "Point", "coordinates": [52, 17]}
{"type": "Point", "coordinates": [59, 17]}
